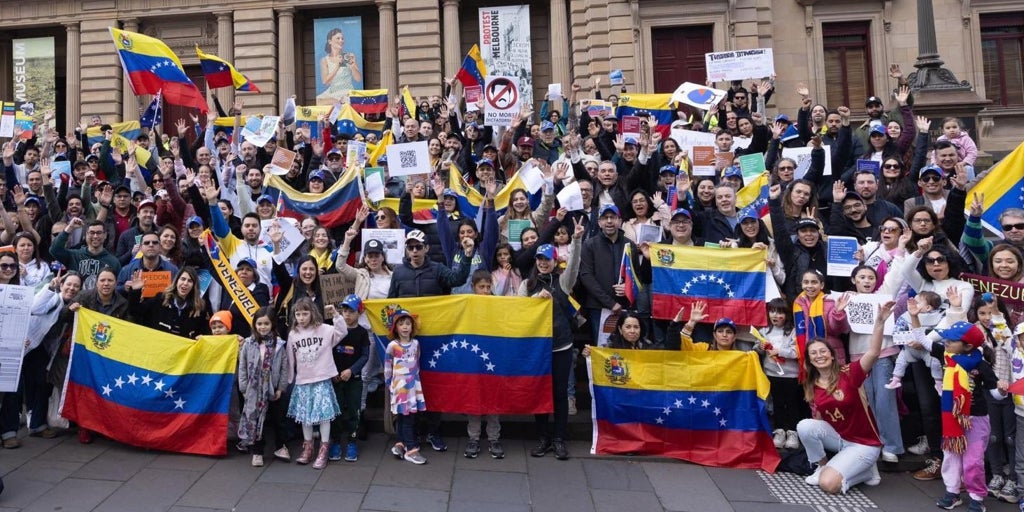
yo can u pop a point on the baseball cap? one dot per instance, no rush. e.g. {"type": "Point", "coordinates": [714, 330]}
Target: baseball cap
{"type": "Point", "coordinates": [733, 172]}
{"type": "Point", "coordinates": [92, 157]}
{"type": "Point", "coordinates": [122, 187]}
{"type": "Point", "coordinates": [316, 175]}
{"type": "Point", "coordinates": [373, 246]}
{"type": "Point", "coordinates": [162, 194]}
{"type": "Point", "coordinates": [472, 124]}
{"type": "Point", "coordinates": [725, 322]}
{"type": "Point", "coordinates": [547, 125]}
{"type": "Point", "coordinates": [485, 161]}
{"type": "Point", "coordinates": [872, 100]}
{"type": "Point", "coordinates": [334, 151]}
{"type": "Point", "coordinates": [490, 147]}
{"type": "Point", "coordinates": [806, 223]}
{"type": "Point", "coordinates": [146, 202]}
{"type": "Point", "coordinates": [546, 251]}
{"type": "Point", "coordinates": [748, 213]}
{"type": "Point", "coordinates": [850, 194]}
{"type": "Point", "coordinates": [965, 332]}
{"type": "Point", "coordinates": [449, 193]}
{"type": "Point", "coordinates": [609, 208]}
{"type": "Point", "coordinates": [933, 168]}
{"type": "Point", "coordinates": [34, 199]}
{"type": "Point", "coordinates": [669, 168]}
{"type": "Point", "coordinates": [790, 134]}
{"type": "Point", "coordinates": [631, 140]}
{"type": "Point", "coordinates": [782, 117]}
{"type": "Point", "coordinates": [395, 316]}
{"type": "Point", "coordinates": [353, 302]}
{"type": "Point", "coordinates": [416, 236]}
{"type": "Point", "coordinates": [223, 317]}
{"type": "Point", "coordinates": [266, 198]}
{"type": "Point", "coordinates": [246, 261]}
{"type": "Point", "coordinates": [681, 211]}
{"type": "Point", "coordinates": [194, 220]}
{"type": "Point", "coordinates": [525, 141]}
{"type": "Point", "coordinates": [879, 129]}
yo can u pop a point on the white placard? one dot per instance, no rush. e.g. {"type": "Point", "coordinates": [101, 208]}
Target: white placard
{"type": "Point", "coordinates": [554, 91]}
{"type": "Point", "coordinates": [698, 96]}
{"type": "Point", "coordinates": [408, 158]}
{"type": "Point", "coordinates": [687, 139]}
{"type": "Point", "coordinates": [570, 197]}
{"type": "Point", "coordinates": [648, 233]}
{"type": "Point", "coordinates": [532, 176]}
{"type": "Point", "coordinates": [260, 134]}
{"type": "Point", "coordinates": [862, 310]}
{"type": "Point", "coordinates": [502, 98]}
{"type": "Point", "coordinates": [393, 240]}
{"type": "Point", "coordinates": [740, 64]}
{"type": "Point", "coordinates": [15, 307]}
{"type": "Point", "coordinates": [292, 237]}
{"type": "Point", "coordinates": [356, 153]}
{"type": "Point", "coordinates": [374, 187]}
{"type": "Point", "coordinates": [802, 157]}
{"type": "Point", "coordinates": [506, 45]}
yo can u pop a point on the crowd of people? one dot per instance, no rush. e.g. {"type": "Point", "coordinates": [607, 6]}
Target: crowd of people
{"type": "Point", "coordinates": [87, 239]}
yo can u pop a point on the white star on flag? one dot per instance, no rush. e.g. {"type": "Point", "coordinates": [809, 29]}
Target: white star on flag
{"type": "Point", "coordinates": [490, 367]}
{"type": "Point", "coordinates": [692, 399]}
{"type": "Point", "coordinates": [464, 344]}
{"type": "Point", "coordinates": [718, 411]}
{"type": "Point", "coordinates": [705, 404]}
{"type": "Point", "coordinates": [666, 411]}
{"type": "Point", "coordinates": [444, 348]}
{"type": "Point", "coordinates": [659, 420]}
{"type": "Point", "coordinates": [170, 393]}
{"type": "Point", "coordinates": [475, 349]}
{"type": "Point", "coordinates": [159, 385]}
{"type": "Point", "coordinates": [437, 354]}
{"type": "Point", "coordinates": [106, 390]}
{"type": "Point", "coordinates": [432, 363]}
{"type": "Point", "coordinates": [119, 382]}
{"type": "Point", "coordinates": [485, 356]}
{"type": "Point", "coordinates": [146, 379]}
{"type": "Point", "coordinates": [722, 422]}
{"type": "Point", "coordinates": [678, 404]}
{"type": "Point", "coordinates": [132, 378]}
{"type": "Point", "coordinates": [179, 404]}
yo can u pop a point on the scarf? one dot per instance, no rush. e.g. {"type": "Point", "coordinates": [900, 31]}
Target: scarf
{"type": "Point", "coordinates": [322, 258]}
{"type": "Point", "coordinates": [809, 325]}
{"type": "Point", "coordinates": [956, 399]}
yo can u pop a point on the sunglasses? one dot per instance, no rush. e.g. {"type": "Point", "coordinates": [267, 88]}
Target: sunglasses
{"type": "Point", "coordinates": [890, 229]}
{"type": "Point", "coordinates": [931, 178]}
{"type": "Point", "coordinates": [892, 166]}
{"type": "Point", "coordinates": [415, 247]}
{"type": "Point", "coordinates": [151, 242]}
{"type": "Point", "coordinates": [158, 181]}
{"type": "Point", "coordinates": [8, 266]}
{"type": "Point", "coordinates": [1018, 227]}
{"type": "Point", "coordinates": [786, 168]}
{"type": "Point", "coordinates": [938, 260]}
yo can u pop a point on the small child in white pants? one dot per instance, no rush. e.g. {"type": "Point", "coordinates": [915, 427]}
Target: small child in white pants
{"type": "Point", "coordinates": [930, 317]}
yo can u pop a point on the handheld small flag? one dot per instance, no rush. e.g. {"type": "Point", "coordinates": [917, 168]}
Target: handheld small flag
{"type": "Point", "coordinates": [153, 114]}
{"type": "Point", "coordinates": [627, 275]}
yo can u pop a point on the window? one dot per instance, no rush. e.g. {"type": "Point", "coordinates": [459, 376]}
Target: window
{"type": "Point", "coordinates": [1002, 50]}
{"type": "Point", "coordinates": [847, 62]}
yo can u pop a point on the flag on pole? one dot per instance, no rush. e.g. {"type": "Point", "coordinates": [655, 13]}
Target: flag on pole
{"type": "Point", "coordinates": [627, 275]}
{"type": "Point", "coordinates": [408, 104]}
{"type": "Point", "coordinates": [731, 281]}
{"type": "Point", "coordinates": [473, 70]}
{"type": "Point", "coordinates": [371, 101]}
{"type": "Point", "coordinates": [153, 114]}
{"type": "Point", "coordinates": [220, 73]}
{"type": "Point", "coordinates": [151, 66]}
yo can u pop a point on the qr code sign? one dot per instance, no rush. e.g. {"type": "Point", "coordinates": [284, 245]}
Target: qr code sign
{"type": "Point", "coordinates": [407, 159]}
{"type": "Point", "coordinates": [861, 312]}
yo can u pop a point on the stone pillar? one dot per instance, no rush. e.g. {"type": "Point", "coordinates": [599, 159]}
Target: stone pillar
{"type": "Point", "coordinates": [452, 43]}
{"type": "Point", "coordinates": [560, 62]}
{"type": "Point", "coordinates": [286, 53]}
{"type": "Point", "coordinates": [73, 92]}
{"type": "Point", "coordinates": [419, 46]}
{"type": "Point", "coordinates": [129, 102]}
{"type": "Point", "coordinates": [388, 46]}
{"type": "Point", "coordinates": [226, 51]}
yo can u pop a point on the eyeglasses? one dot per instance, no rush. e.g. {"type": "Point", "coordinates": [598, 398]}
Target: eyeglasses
{"type": "Point", "coordinates": [741, 98]}
{"type": "Point", "coordinates": [931, 178]}
{"type": "Point", "coordinates": [852, 206]}
{"type": "Point", "coordinates": [1010, 227]}
{"type": "Point", "coordinates": [938, 260]}
{"type": "Point", "coordinates": [890, 229]}
{"type": "Point", "coordinates": [381, 218]}
{"type": "Point", "coordinates": [415, 247]}
{"type": "Point", "coordinates": [158, 181]}
{"type": "Point", "coordinates": [122, 196]}
{"type": "Point", "coordinates": [151, 242]}
{"type": "Point", "coordinates": [7, 267]}
{"type": "Point", "coordinates": [680, 221]}
{"type": "Point", "coordinates": [925, 220]}
{"type": "Point", "coordinates": [892, 166]}
{"type": "Point", "coordinates": [96, 233]}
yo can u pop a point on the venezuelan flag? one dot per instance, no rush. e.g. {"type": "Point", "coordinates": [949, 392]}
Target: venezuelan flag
{"type": "Point", "coordinates": [627, 275]}
{"type": "Point", "coordinates": [220, 73]}
{"type": "Point", "coordinates": [473, 70]}
{"type": "Point", "coordinates": [408, 104]}
{"type": "Point", "coordinates": [127, 130]}
{"type": "Point", "coordinates": [470, 200]}
{"type": "Point", "coordinates": [703, 407]}
{"type": "Point", "coordinates": [307, 116]}
{"type": "Point", "coordinates": [1002, 187]}
{"type": "Point", "coordinates": [371, 101]}
{"type": "Point", "coordinates": [731, 281]}
{"type": "Point", "coordinates": [379, 149]}
{"type": "Point", "coordinates": [656, 105]}
{"type": "Point", "coordinates": [350, 121]}
{"type": "Point", "coordinates": [424, 211]}
{"type": "Point", "coordinates": [481, 360]}
{"type": "Point", "coordinates": [755, 195]}
{"type": "Point", "coordinates": [151, 67]}
{"type": "Point", "coordinates": [334, 207]}
{"type": "Point", "coordinates": [148, 388]}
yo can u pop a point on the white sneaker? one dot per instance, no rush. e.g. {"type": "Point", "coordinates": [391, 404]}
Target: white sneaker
{"type": "Point", "coordinates": [572, 406]}
{"type": "Point", "coordinates": [792, 440]}
{"type": "Point", "coordinates": [257, 461]}
{"type": "Point", "coordinates": [875, 477]}
{"type": "Point", "coordinates": [813, 479]}
{"type": "Point", "coordinates": [889, 457]}
{"type": "Point", "coordinates": [779, 438]}
{"type": "Point", "coordinates": [921, 447]}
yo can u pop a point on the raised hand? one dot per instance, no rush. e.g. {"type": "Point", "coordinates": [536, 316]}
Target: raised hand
{"type": "Point", "coordinates": [922, 124]}
{"type": "Point", "coordinates": [885, 311]}
{"type": "Point", "coordinates": [181, 127]}
{"type": "Point", "coordinates": [977, 204]}
{"type": "Point", "coordinates": [698, 312]}
{"type": "Point", "coordinates": [895, 72]}
{"type": "Point", "coordinates": [838, 191]}
{"type": "Point", "coordinates": [902, 94]}
{"type": "Point", "coordinates": [578, 229]}
{"type": "Point", "coordinates": [954, 297]}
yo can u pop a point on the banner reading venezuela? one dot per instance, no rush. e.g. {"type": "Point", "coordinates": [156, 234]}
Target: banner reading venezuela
{"type": "Point", "coordinates": [731, 281]}
{"type": "Point", "coordinates": [703, 407]}
{"type": "Point", "coordinates": [478, 354]}
{"type": "Point", "coordinates": [334, 207]}
{"type": "Point", "coordinates": [147, 388]}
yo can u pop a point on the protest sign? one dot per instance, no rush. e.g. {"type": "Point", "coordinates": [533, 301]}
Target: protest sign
{"type": "Point", "coordinates": [15, 306]}
{"type": "Point", "coordinates": [630, 127]}
{"type": "Point", "coordinates": [393, 241]}
{"type": "Point", "coordinates": [703, 158]}
{"type": "Point", "coordinates": [502, 98]}
{"type": "Point", "coordinates": [841, 259]}
{"type": "Point", "coordinates": [334, 288]}
{"type": "Point", "coordinates": [355, 153]}
{"type": "Point", "coordinates": [872, 166]}
{"type": "Point", "coordinates": [292, 237]}
{"type": "Point", "coordinates": [408, 158]}
{"type": "Point", "coordinates": [687, 139]}
{"type": "Point", "coordinates": [615, 77]}
{"type": "Point", "coordinates": [740, 64]}
{"type": "Point", "coordinates": [570, 197]}
{"type": "Point", "coordinates": [260, 131]}
{"type": "Point", "coordinates": [802, 157]}
{"type": "Point", "coordinates": [752, 166]}
{"type": "Point", "coordinates": [597, 108]}
{"type": "Point", "coordinates": [862, 311]}
{"type": "Point", "coordinates": [153, 283]}
{"type": "Point", "coordinates": [472, 95]}
{"type": "Point", "coordinates": [697, 96]}
{"type": "Point", "coordinates": [1009, 292]}
{"type": "Point", "coordinates": [282, 161]}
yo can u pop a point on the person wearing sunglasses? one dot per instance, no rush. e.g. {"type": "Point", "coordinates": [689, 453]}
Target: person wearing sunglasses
{"type": "Point", "coordinates": [896, 185]}
{"type": "Point", "coordinates": [151, 261]}
{"type": "Point", "coordinates": [932, 183]}
{"type": "Point", "coordinates": [935, 267]}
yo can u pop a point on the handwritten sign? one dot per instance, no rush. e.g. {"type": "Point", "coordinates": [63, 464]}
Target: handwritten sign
{"type": "Point", "coordinates": [334, 288]}
{"type": "Point", "coordinates": [740, 64]}
{"type": "Point", "coordinates": [153, 283]}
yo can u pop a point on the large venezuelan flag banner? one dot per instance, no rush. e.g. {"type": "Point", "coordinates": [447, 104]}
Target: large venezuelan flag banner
{"type": "Point", "coordinates": [150, 389]}
{"type": "Point", "coordinates": [703, 407]}
{"type": "Point", "coordinates": [1001, 188]}
{"type": "Point", "coordinates": [334, 207]}
{"type": "Point", "coordinates": [731, 281]}
{"type": "Point", "coordinates": [478, 354]}
{"type": "Point", "coordinates": [656, 105]}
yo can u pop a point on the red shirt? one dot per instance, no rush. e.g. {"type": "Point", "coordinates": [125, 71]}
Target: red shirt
{"type": "Point", "coordinates": [847, 408]}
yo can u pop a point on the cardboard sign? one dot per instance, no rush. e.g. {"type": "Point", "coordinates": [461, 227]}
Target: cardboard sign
{"type": "Point", "coordinates": [334, 288]}
{"type": "Point", "coordinates": [697, 96]}
{"type": "Point", "coordinates": [282, 161]}
{"type": "Point", "coordinates": [472, 95]}
{"type": "Point", "coordinates": [703, 160]}
{"type": "Point", "coordinates": [153, 283]}
{"type": "Point", "coordinates": [502, 98]}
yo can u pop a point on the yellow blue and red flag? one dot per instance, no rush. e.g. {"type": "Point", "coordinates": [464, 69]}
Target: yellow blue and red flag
{"type": "Point", "coordinates": [470, 200]}
{"type": "Point", "coordinates": [408, 106]}
{"type": "Point", "coordinates": [703, 407]}
{"type": "Point", "coordinates": [308, 115]}
{"type": "Point", "coordinates": [731, 281]}
{"type": "Point", "coordinates": [424, 211]}
{"type": "Point", "coordinates": [148, 388]}
{"type": "Point", "coordinates": [754, 196]}
{"type": "Point", "coordinates": [627, 275]}
{"type": "Point", "coordinates": [350, 121]}
{"type": "Point", "coordinates": [220, 73]}
{"type": "Point", "coordinates": [369, 101]}
{"type": "Point", "coordinates": [151, 66]}
{"type": "Point", "coordinates": [473, 70]}
{"type": "Point", "coordinates": [334, 207]}
{"type": "Point", "coordinates": [1002, 187]}
{"type": "Point", "coordinates": [653, 104]}
{"type": "Point", "coordinates": [482, 360]}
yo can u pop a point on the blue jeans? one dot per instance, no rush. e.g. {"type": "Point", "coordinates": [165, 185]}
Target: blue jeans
{"type": "Point", "coordinates": [883, 405]}
{"type": "Point", "coordinates": [852, 460]}
{"type": "Point", "coordinates": [406, 431]}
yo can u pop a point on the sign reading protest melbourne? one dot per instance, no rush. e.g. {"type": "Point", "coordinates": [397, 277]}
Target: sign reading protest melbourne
{"type": "Point", "coordinates": [505, 45]}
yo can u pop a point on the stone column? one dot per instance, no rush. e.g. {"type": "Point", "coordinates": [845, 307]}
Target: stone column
{"type": "Point", "coordinates": [452, 43]}
{"type": "Point", "coordinates": [129, 102]}
{"type": "Point", "coordinates": [73, 94]}
{"type": "Point", "coordinates": [226, 51]}
{"type": "Point", "coordinates": [286, 54]}
{"type": "Point", "coordinates": [561, 72]}
{"type": "Point", "coordinates": [388, 46]}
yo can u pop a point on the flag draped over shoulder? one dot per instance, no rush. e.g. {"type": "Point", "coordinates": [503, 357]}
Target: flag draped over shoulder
{"type": "Point", "coordinates": [151, 67]}
{"type": "Point", "coordinates": [477, 356]}
{"type": "Point", "coordinates": [654, 104]}
{"type": "Point", "coordinates": [369, 101]}
{"type": "Point", "coordinates": [1003, 187]}
{"type": "Point", "coordinates": [220, 73]}
{"type": "Point", "coordinates": [473, 70]}
{"type": "Point", "coordinates": [334, 207]}
{"type": "Point", "coordinates": [731, 281]}
{"type": "Point", "coordinates": [148, 388]}
{"type": "Point", "coordinates": [703, 407]}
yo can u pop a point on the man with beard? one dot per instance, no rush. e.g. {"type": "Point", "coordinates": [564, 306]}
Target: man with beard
{"type": "Point", "coordinates": [849, 215]}
{"type": "Point", "coordinates": [866, 184]}
{"type": "Point", "coordinates": [933, 191]}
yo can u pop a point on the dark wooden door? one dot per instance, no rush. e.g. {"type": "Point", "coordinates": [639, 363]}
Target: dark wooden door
{"type": "Point", "coordinates": [679, 55]}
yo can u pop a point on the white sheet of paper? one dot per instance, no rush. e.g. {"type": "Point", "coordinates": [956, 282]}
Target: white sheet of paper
{"type": "Point", "coordinates": [15, 305]}
{"type": "Point", "coordinates": [555, 90]}
{"type": "Point", "coordinates": [648, 233]}
{"type": "Point", "coordinates": [374, 187]}
{"type": "Point", "coordinates": [802, 156]}
{"type": "Point", "coordinates": [532, 177]}
{"type": "Point", "coordinates": [292, 236]}
{"type": "Point", "coordinates": [570, 197]}
{"type": "Point", "coordinates": [408, 158]}
{"type": "Point", "coordinates": [393, 240]}
{"type": "Point", "coordinates": [862, 310]}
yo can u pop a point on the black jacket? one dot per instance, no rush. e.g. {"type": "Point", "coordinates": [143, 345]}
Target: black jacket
{"type": "Point", "coordinates": [154, 314]}
{"type": "Point", "coordinates": [428, 280]}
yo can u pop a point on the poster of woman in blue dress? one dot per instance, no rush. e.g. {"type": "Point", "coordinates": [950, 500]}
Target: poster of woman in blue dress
{"type": "Point", "coordinates": [338, 47]}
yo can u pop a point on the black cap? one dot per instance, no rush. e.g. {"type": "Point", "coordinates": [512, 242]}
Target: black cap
{"type": "Point", "coordinates": [872, 100]}
{"type": "Point", "coordinates": [373, 246]}
{"type": "Point", "coordinates": [806, 223]}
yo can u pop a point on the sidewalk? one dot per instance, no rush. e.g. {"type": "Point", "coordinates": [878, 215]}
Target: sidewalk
{"type": "Point", "coordinates": [63, 475]}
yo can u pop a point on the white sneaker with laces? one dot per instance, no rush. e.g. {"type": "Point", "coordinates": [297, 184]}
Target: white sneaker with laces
{"type": "Point", "coordinates": [779, 438]}
{"type": "Point", "coordinates": [813, 478]}
{"type": "Point", "coordinates": [876, 478]}
{"type": "Point", "coordinates": [889, 457]}
{"type": "Point", "coordinates": [792, 440]}
{"type": "Point", "coordinates": [921, 447]}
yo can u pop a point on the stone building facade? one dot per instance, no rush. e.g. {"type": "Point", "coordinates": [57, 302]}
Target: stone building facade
{"type": "Point", "coordinates": [840, 48]}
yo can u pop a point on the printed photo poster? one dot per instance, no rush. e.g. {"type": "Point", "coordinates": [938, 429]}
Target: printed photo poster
{"type": "Point", "coordinates": [338, 53]}
{"type": "Point", "coordinates": [35, 86]}
{"type": "Point", "coordinates": [15, 308]}
{"type": "Point", "coordinates": [505, 45]}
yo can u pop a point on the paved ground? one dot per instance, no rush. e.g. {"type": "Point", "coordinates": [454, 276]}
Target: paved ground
{"type": "Point", "coordinates": [63, 475]}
